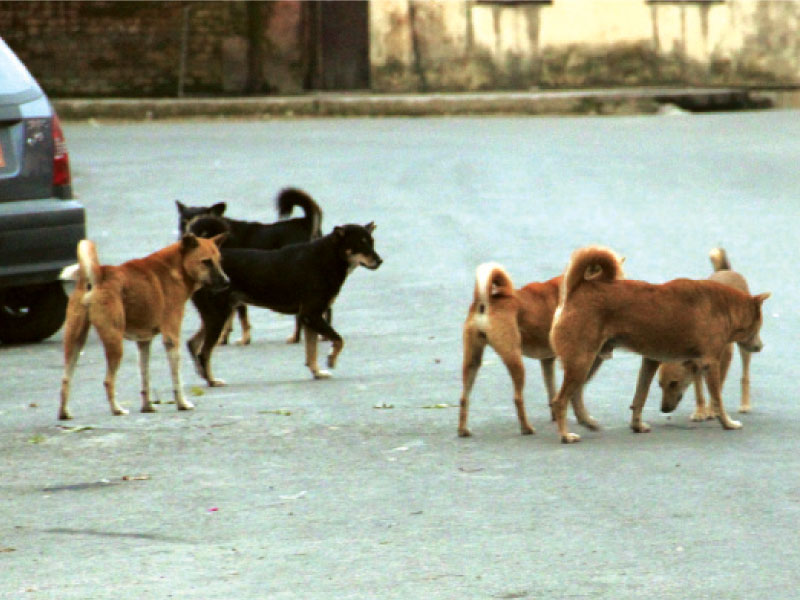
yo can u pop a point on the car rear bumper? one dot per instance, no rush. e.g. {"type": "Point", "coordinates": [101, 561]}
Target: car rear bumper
{"type": "Point", "coordinates": [38, 239]}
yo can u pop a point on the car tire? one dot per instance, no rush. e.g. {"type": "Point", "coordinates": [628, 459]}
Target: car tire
{"type": "Point", "coordinates": [31, 313]}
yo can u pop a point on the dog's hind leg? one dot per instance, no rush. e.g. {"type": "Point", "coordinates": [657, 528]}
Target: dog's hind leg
{"type": "Point", "coordinates": [713, 380]}
{"type": "Point", "coordinates": [173, 349]}
{"type": "Point", "coordinates": [474, 346]}
{"type": "Point", "coordinates": [575, 374]}
{"type": "Point", "coordinates": [76, 330]}
{"type": "Point", "coordinates": [646, 373]}
{"type": "Point", "coordinates": [144, 373]}
{"type": "Point", "coordinates": [744, 405]}
{"type": "Point", "coordinates": [112, 343]}
{"type": "Point", "coordinates": [578, 407]}
{"type": "Point", "coordinates": [241, 311]}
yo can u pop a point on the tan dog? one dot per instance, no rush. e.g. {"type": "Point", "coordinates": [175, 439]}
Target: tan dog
{"type": "Point", "coordinates": [674, 378]}
{"type": "Point", "coordinates": [137, 300]}
{"type": "Point", "coordinates": [514, 323]}
{"type": "Point", "coordinates": [682, 320]}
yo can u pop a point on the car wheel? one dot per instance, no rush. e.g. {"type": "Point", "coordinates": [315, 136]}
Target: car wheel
{"type": "Point", "coordinates": [31, 313]}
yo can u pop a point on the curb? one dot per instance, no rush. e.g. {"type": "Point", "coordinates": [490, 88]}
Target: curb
{"type": "Point", "coordinates": [571, 102]}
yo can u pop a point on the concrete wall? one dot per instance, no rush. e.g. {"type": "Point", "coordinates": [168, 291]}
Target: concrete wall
{"type": "Point", "coordinates": [470, 45]}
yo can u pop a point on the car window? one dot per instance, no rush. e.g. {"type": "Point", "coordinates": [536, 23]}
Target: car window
{"type": "Point", "coordinates": [16, 83]}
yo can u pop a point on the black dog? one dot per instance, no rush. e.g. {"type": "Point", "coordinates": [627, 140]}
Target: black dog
{"type": "Point", "coordinates": [264, 236]}
{"type": "Point", "coordinates": [300, 279]}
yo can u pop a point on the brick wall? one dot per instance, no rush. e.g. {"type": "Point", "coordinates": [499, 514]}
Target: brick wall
{"type": "Point", "coordinates": [135, 48]}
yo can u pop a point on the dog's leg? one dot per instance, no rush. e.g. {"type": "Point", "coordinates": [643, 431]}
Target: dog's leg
{"type": "Point", "coordinates": [744, 406]}
{"type": "Point", "coordinates": [298, 327]}
{"type": "Point", "coordinates": [513, 362]}
{"type": "Point", "coordinates": [473, 357]}
{"type": "Point", "coordinates": [318, 323]}
{"type": "Point", "coordinates": [241, 310]}
{"type": "Point", "coordinates": [203, 356]}
{"type": "Point", "coordinates": [548, 374]}
{"type": "Point", "coordinates": [311, 353]}
{"type": "Point", "coordinates": [575, 374]}
{"type": "Point", "coordinates": [646, 373]}
{"type": "Point", "coordinates": [144, 372]}
{"type": "Point", "coordinates": [112, 342]}
{"type": "Point", "coordinates": [173, 348]}
{"type": "Point", "coordinates": [578, 407]}
{"type": "Point", "coordinates": [226, 331]}
{"type": "Point", "coordinates": [701, 412]}
{"type": "Point", "coordinates": [76, 330]}
{"type": "Point", "coordinates": [715, 391]}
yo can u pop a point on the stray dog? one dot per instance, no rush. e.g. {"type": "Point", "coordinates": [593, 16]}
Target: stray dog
{"type": "Point", "coordinates": [300, 279]}
{"type": "Point", "coordinates": [674, 378]}
{"type": "Point", "coordinates": [263, 236]}
{"type": "Point", "coordinates": [679, 320]}
{"type": "Point", "coordinates": [514, 322]}
{"type": "Point", "coordinates": [137, 300]}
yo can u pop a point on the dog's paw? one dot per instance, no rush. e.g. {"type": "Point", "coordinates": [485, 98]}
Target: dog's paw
{"type": "Point", "coordinates": [464, 432]}
{"type": "Point", "coordinates": [527, 430]}
{"type": "Point", "coordinates": [590, 423]}
{"type": "Point", "coordinates": [570, 438]}
{"type": "Point", "coordinates": [731, 424]}
{"type": "Point", "coordinates": [640, 427]}
{"type": "Point", "coordinates": [119, 411]}
{"type": "Point", "coordinates": [216, 382]}
{"type": "Point", "coordinates": [185, 405]}
{"type": "Point", "coordinates": [64, 415]}
{"type": "Point", "coordinates": [148, 408]}
{"type": "Point", "coordinates": [293, 339]}
{"type": "Point", "coordinates": [322, 374]}
{"type": "Point", "coordinates": [697, 416]}
{"type": "Point", "coordinates": [745, 409]}
{"type": "Point", "coordinates": [242, 341]}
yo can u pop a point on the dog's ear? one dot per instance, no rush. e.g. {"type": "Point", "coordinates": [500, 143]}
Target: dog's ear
{"type": "Point", "coordinates": [217, 209]}
{"type": "Point", "coordinates": [181, 207]}
{"type": "Point", "coordinates": [761, 297]}
{"type": "Point", "coordinates": [370, 226]}
{"type": "Point", "coordinates": [189, 242]}
{"type": "Point", "coordinates": [338, 231]}
{"type": "Point", "coordinates": [220, 239]}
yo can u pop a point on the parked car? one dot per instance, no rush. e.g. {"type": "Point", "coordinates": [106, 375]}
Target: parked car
{"type": "Point", "coordinates": [40, 222]}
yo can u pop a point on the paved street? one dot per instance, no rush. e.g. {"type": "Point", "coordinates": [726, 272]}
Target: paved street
{"type": "Point", "coordinates": [281, 487]}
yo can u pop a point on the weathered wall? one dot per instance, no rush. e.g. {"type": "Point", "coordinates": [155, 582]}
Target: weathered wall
{"type": "Point", "coordinates": [468, 45]}
{"type": "Point", "coordinates": [135, 48]}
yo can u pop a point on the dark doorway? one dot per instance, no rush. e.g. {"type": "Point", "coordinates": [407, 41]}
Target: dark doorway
{"type": "Point", "coordinates": [339, 40]}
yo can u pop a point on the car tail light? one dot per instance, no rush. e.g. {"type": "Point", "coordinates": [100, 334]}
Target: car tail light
{"type": "Point", "coordinates": [61, 175]}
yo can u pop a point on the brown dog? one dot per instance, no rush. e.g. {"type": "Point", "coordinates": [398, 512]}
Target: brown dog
{"type": "Point", "coordinates": [514, 323]}
{"type": "Point", "coordinates": [682, 320]}
{"type": "Point", "coordinates": [137, 300]}
{"type": "Point", "coordinates": [675, 377]}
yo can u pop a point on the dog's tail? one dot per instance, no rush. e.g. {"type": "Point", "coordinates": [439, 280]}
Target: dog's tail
{"type": "Point", "coordinates": [90, 272]}
{"type": "Point", "coordinates": [491, 281]}
{"type": "Point", "coordinates": [592, 263]}
{"type": "Point", "coordinates": [291, 197]}
{"type": "Point", "coordinates": [719, 258]}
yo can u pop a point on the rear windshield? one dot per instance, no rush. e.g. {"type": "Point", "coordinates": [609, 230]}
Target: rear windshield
{"type": "Point", "coordinates": [15, 80]}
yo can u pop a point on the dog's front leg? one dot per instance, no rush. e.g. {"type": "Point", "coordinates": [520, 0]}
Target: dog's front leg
{"type": "Point", "coordinates": [646, 373]}
{"type": "Point", "coordinates": [144, 372]}
{"type": "Point", "coordinates": [173, 349]}
{"type": "Point", "coordinates": [744, 405]}
{"type": "Point", "coordinates": [715, 391]}
{"type": "Point", "coordinates": [311, 353]}
{"type": "Point", "coordinates": [700, 412]}
{"type": "Point", "coordinates": [317, 322]}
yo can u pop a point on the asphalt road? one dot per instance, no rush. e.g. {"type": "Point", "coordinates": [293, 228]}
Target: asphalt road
{"type": "Point", "coordinates": [278, 486]}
